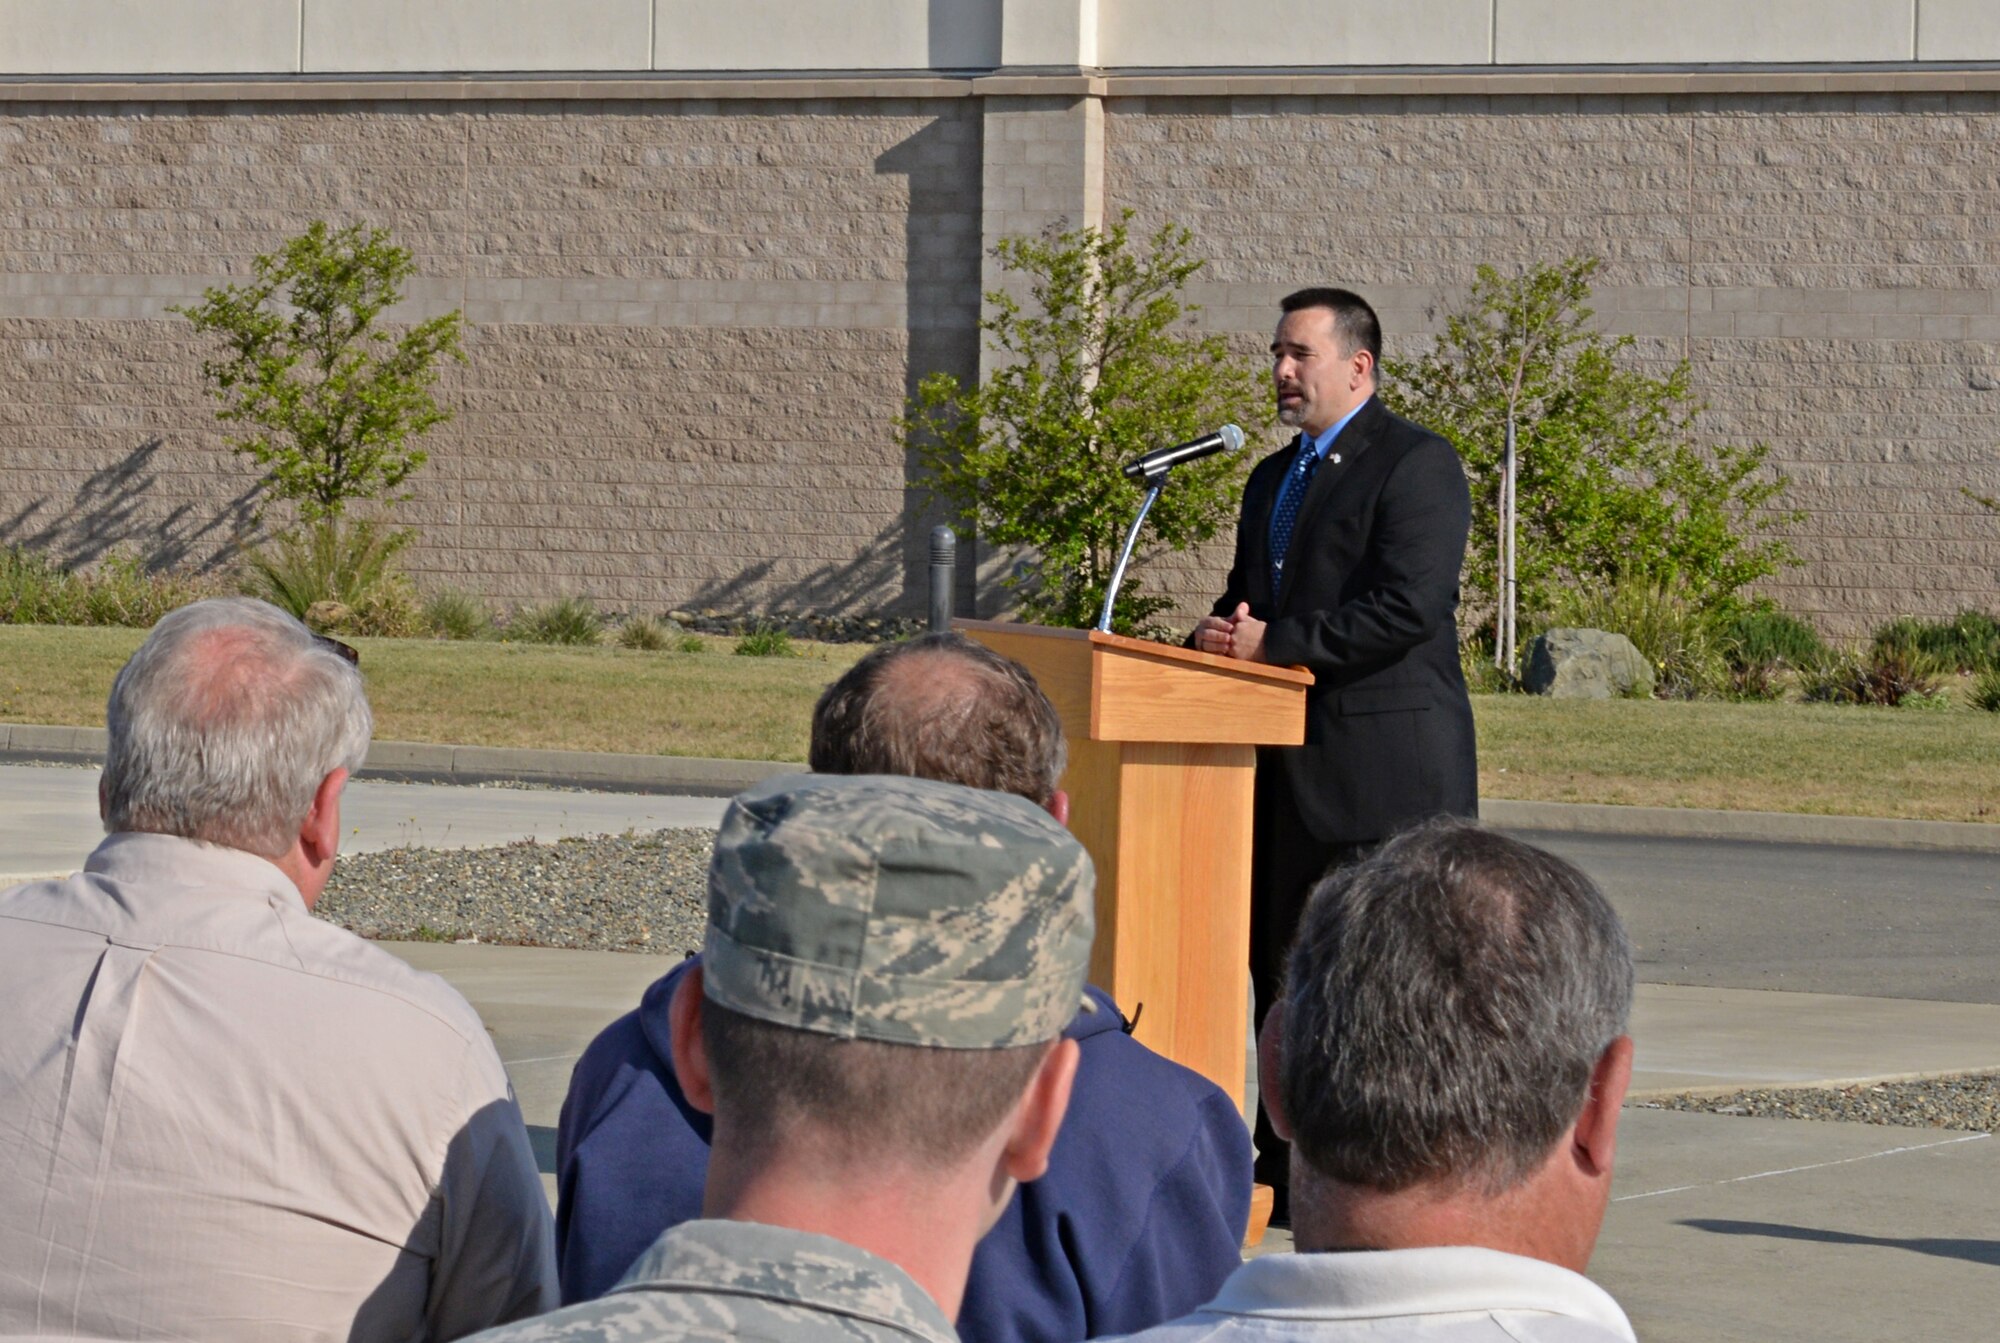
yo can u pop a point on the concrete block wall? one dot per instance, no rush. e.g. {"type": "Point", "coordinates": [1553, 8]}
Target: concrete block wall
{"type": "Point", "coordinates": [1828, 264]}
{"type": "Point", "coordinates": [691, 327]}
{"type": "Point", "coordinates": [696, 310]}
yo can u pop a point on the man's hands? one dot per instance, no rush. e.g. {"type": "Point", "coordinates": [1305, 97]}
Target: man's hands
{"type": "Point", "coordinates": [1232, 636]}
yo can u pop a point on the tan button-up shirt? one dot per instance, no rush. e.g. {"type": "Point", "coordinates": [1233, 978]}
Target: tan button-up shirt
{"type": "Point", "coordinates": [223, 1119]}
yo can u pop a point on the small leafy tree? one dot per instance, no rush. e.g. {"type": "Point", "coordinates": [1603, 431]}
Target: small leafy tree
{"type": "Point", "coordinates": [1611, 484]}
{"type": "Point", "coordinates": [1097, 371]}
{"type": "Point", "coordinates": [329, 403]}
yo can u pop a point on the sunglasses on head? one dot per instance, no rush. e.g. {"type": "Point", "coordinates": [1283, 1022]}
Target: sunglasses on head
{"type": "Point", "coordinates": [347, 651]}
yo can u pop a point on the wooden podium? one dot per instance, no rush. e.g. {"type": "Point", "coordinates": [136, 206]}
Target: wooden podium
{"type": "Point", "coordinates": [1162, 754]}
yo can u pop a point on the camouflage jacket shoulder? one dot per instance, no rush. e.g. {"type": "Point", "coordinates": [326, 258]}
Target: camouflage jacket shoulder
{"type": "Point", "coordinates": [744, 1280]}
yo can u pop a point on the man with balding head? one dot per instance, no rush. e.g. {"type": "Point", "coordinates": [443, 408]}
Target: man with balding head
{"type": "Point", "coordinates": [221, 1118]}
{"type": "Point", "coordinates": [1143, 1208]}
{"type": "Point", "coordinates": [1447, 1061]}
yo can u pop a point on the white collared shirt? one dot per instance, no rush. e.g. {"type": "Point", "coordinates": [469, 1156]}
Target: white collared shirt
{"type": "Point", "coordinates": [1450, 1294]}
{"type": "Point", "coordinates": [224, 1119]}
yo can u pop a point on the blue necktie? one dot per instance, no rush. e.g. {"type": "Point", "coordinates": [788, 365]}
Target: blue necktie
{"type": "Point", "coordinates": [1286, 515]}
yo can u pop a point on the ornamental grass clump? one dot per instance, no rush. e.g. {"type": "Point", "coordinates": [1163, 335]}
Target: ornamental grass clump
{"type": "Point", "coordinates": [452, 614]}
{"type": "Point", "coordinates": [645, 634]}
{"type": "Point", "coordinates": [766, 641]}
{"type": "Point", "coordinates": [567, 620]}
{"type": "Point", "coordinates": [1887, 677]}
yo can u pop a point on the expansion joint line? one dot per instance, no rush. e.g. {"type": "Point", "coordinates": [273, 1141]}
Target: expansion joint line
{"type": "Point", "coordinates": [1794, 1170]}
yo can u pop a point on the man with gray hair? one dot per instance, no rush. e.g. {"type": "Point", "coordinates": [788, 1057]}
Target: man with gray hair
{"type": "Point", "coordinates": [221, 1118]}
{"type": "Point", "coordinates": [876, 1027]}
{"type": "Point", "coordinates": [1447, 1060]}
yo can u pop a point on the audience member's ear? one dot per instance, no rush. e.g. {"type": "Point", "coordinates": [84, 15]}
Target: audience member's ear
{"type": "Point", "coordinates": [319, 834]}
{"type": "Point", "coordinates": [1596, 1143]}
{"type": "Point", "coordinates": [1059, 807]}
{"type": "Point", "coordinates": [1039, 1116]}
{"type": "Point", "coordinates": [684, 1037]}
{"type": "Point", "coordinates": [1270, 1067]}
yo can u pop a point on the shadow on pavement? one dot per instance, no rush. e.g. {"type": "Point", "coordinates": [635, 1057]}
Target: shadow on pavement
{"type": "Point", "coordinates": [1972, 1251]}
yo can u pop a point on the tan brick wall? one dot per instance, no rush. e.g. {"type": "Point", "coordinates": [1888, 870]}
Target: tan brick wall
{"type": "Point", "coordinates": [692, 326]}
{"type": "Point", "coordinates": [1828, 264]}
{"type": "Point", "coordinates": [693, 321]}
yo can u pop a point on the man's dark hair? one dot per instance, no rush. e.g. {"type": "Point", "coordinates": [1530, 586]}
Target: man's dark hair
{"type": "Point", "coordinates": [1446, 1003]}
{"type": "Point", "coordinates": [941, 707]}
{"type": "Point", "coordinates": [1354, 322]}
{"type": "Point", "coordinates": [862, 1096]}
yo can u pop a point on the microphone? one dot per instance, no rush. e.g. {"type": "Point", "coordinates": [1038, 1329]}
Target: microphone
{"type": "Point", "coordinates": [1228, 438]}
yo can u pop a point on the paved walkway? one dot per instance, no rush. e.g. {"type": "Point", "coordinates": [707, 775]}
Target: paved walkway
{"type": "Point", "coordinates": [1720, 1227]}
{"type": "Point", "coordinates": [48, 816]}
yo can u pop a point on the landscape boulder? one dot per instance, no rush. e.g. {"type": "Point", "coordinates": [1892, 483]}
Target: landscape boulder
{"type": "Point", "coordinates": [1587, 664]}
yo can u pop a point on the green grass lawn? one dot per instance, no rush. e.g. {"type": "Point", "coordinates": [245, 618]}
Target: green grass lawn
{"type": "Point", "coordinates": [1937, 764]}
{"type": "Point", "coordinates": [490, 694]}
{"type": "Point", "coordinates": [1925, 764]}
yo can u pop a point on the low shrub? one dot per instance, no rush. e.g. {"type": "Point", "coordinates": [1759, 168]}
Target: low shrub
{"type": "Point", "coordinates": [766, 641]}
{"type": "Point", "coordinates": [1904, 637]}
{"type": "Point", "coordinates": [452, 614]}
{"type": "Point", "coordinates": [644, 633]}
{"type": "Point", "coordinates": [330, 564]}
{"type": "Point", "coordinates": [567, 620]}
{"type": "Point", "coordinates": [1765, 636]}
{"type": "Point", "coordinates": [1974, 643]}
{"type": "Point", "coordinates": [691, 643]}
{"type": "Point", "coordinates": [118, 590]}
{"type": "Point", "coordinates": [1968, 642]}
{"type": "Point", "coordinates": [1884, 676]}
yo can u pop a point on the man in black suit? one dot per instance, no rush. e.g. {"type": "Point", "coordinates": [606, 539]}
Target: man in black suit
{"type": "Point", "coordinates": [1347, 561]}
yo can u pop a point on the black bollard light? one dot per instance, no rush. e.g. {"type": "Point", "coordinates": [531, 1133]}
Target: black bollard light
{"type": "Point", "coordinates": [944, 570]}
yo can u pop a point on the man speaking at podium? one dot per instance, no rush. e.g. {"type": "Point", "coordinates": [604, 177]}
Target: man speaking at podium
{"type": "Point", "coordinates": [1347, 560]}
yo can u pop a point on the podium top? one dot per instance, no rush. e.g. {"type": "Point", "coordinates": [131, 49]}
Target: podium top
{"type": "Point", "coordinates": [1109, 687]}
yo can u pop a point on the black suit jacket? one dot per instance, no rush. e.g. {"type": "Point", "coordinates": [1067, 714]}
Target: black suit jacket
{"type": "Point", "coordinates": [1369, 604]}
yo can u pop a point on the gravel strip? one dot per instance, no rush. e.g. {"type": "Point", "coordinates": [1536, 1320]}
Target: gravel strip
{"type": "Point", "coordinates": [1969, 1102]}
{"type": "Point", "coordinates": [637, 892]}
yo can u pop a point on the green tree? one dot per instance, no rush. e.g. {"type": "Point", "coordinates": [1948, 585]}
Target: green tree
{"type": "Point", "coordinates": [329, 403]}
{"type": "Point", "coordinates": [1096, 370]}
{"type": "Point", "coordinates": [1611, 483]}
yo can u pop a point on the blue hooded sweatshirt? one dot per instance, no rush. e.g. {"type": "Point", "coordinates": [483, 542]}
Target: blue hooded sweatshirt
{"type": "Point", "coordinates": [1138, 1220]}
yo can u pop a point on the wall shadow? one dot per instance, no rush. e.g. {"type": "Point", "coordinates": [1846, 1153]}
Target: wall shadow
{"type": "Point", "coordinates": [854, 584]}
{"type": "Point", "coordinates": [1944, 1247]}
{"type": "Point", "coordinates": [117, 506]}
{"type": "Point", "coordinates": [941, 298]}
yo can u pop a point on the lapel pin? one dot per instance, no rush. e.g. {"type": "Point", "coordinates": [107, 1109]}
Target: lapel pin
{"type": "Point", "coordinates": [1336, 459]}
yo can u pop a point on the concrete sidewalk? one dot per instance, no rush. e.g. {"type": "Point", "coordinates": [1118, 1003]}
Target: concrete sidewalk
{"type": "Point", "coordinates": [1720, 1227]}
{"type": "Point", "coordinates": [544, 1004]}
{"type": "Point", "coordinates": [425, 762]}
{"type": "Point", "coordinates": [48, 816]}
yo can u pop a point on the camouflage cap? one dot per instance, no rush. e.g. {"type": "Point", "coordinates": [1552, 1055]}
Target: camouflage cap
{"type": "Point", "coordinates": [898, 909]}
